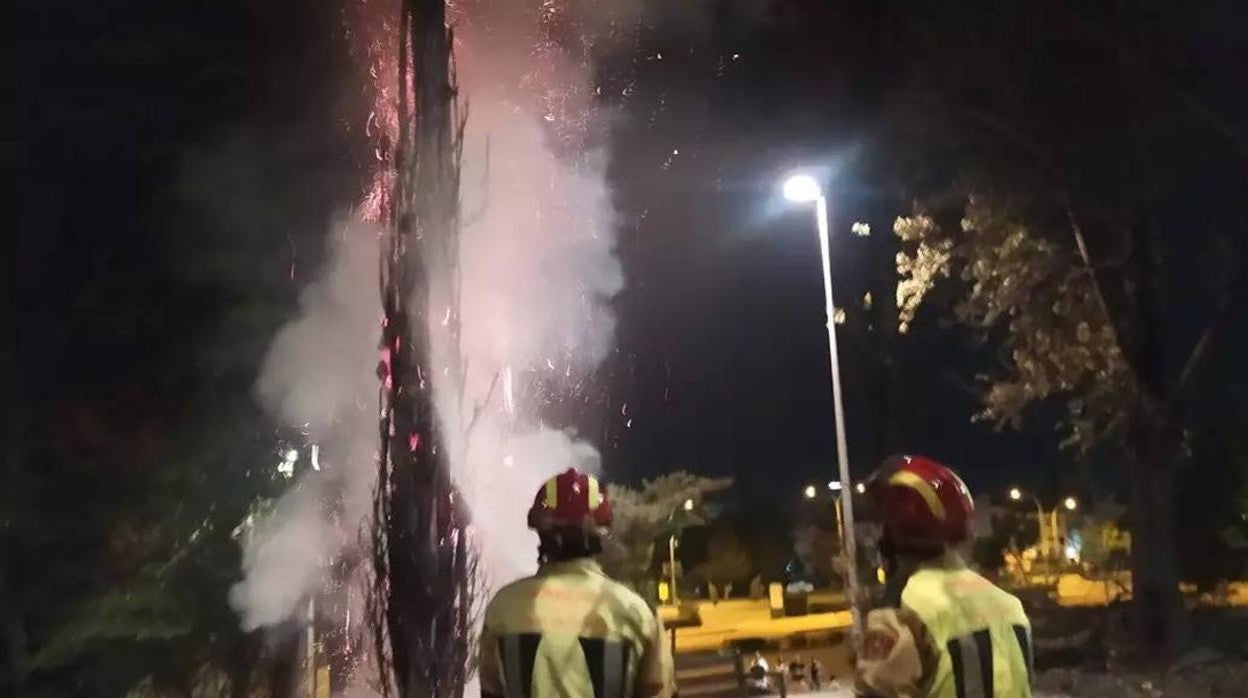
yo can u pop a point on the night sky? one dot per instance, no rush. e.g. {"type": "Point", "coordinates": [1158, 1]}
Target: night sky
{"type": "Point", "coordinates": [129, 293]}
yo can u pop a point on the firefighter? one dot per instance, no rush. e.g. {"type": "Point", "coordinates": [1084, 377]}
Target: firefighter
{"type": "Point", "coordinates": [570, 631]}
{"type": "Point", "coordinates": [943, 631]}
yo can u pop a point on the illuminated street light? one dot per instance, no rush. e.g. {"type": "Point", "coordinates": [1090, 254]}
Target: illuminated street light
{"type": "Point", "coordinates": [835, 485]}
{"type": "Point", "coordinates": [1070, 503]}
{"type": "Point", "coordinates": [811, 491]}
{"type": "Point", "coordinates": [688, 505]}
{"type": "Point", "coordinates": [804, 189]}
{"type": "Point", "coordinates": [1045, 545]}
{"type": "Point", "coordinates": [860, 488]}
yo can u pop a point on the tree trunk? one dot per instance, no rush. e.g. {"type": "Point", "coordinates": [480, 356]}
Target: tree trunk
{"type": "Point", "coordinates": [1161, 624]}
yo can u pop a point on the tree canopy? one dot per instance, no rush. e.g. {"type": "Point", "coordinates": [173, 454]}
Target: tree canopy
{"type": "Point", "coordinates": [656, 510]}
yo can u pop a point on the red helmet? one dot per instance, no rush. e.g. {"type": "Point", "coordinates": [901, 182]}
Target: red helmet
{"type": "Point", "coordinates": [920, 501]}
{"type": "Point", "coordinates": [570, 500]}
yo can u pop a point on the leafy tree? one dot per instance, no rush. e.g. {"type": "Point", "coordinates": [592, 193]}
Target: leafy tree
{"type": "Point", "coordinates": [1104, 544]}
{"type": "Point", "coordinates": [818, 549]}
{"type": "Point", "coordinates": [1042, 302]}
{"type": "Point", "coordinates": [1010, 531]}
{"type": "Point", "coordinates": [655, 511]}
{"type": "Point", "coordinates": [1062, 241]}
{"type": "Point", "coordinates": [727, 561]}
{"type": "Point", "coordinates": [1213, 494]}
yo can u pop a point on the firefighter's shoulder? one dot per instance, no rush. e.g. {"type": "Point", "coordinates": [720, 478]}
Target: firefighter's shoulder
{"type": "Point", "coordinates": [632, 601]}
{"type": "Point", "coordinates": [629, 603]}
{"type": "Point", "coordinates": [507, 596]}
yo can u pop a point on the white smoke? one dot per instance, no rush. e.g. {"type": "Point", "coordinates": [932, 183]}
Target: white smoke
{"type": "Point", "coordinates": [319, 375]}
{"type": "Point", "coordinates": [537, 271]}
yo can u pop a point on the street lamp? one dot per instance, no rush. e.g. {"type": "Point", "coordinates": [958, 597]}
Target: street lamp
{"type": "Point", "coordinates": [1017, 495]}
{"type": "Point", "coordinates": [835, 485]}
{"type": "Point", "coordinates": [803, 188]}
{"type": "Point", "coordinates": [1070, 503]}
{"type": "Point", "coordinates": [810, 492]}
{"type": "Point", "coordinates": [671, 550]}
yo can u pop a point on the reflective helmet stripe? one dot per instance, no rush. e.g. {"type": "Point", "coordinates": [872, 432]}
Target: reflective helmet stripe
{"type": "Point", "coordinates": [595, 496]}
{"type": "Point", "coordinates": [552, 493]}
{"type": "Point", "coordinates": [905, 478]}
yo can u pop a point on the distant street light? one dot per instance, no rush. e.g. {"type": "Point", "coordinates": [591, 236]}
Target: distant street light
{"type": "Point", "coordinates": [1048, 544]}
{"type": "Point", "coordinates": [835, 485]}
{"type": "Point", "coordinates": [672, 543]}
{"type": "Point", "coordinates": [860, 488]}
{"type": "Point", "coordinates": [803, 188]}
{"type": "Point", "coordinates": [1017, 495]}
{"type": "Point", "coordinates": [811, 491]}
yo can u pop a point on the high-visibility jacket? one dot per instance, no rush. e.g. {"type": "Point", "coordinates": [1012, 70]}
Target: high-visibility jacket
{"type": "Point", "coordinates": [572, 632]}
{"type": "Point", "coordinates": [954, 635]}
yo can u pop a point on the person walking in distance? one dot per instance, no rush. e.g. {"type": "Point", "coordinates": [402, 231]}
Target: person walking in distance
{"type": "Point", "coordinates": [570, 631]}
{"type": "Point", "coordinates": [943, 630]}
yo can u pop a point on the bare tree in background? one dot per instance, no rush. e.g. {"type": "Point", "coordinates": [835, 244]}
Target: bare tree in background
{"type": "Point", "coordinates": [422, 595]}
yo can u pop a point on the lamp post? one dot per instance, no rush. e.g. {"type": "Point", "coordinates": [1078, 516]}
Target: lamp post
{"type": "Point", "coordinates": [812, 492]}
{"type": "Point", "coordinates": [1017, 495]}
{"type": "Point", "coordinates": [836, 486]}
{"type": "Point", "coordinates": [671, 553]}
{"type": "Point", "coordinates": [803, 188]}
{"type": "Point", "coordinates": [1048, 544]}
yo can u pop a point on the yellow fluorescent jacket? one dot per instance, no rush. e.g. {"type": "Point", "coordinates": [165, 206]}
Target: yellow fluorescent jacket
{"type": "Point", "coordinates": [572, 632]}
{"type": "Point", "coordinates": [956, 635]}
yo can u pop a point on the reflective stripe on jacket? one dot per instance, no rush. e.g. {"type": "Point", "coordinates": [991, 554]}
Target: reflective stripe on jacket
{"type": "Point", "coordinates": [572, 632]}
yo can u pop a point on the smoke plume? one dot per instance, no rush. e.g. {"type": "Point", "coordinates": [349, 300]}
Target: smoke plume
{"type": "Point", "coordinates": [319, 376]}
{"type": "Point", "coordinates": [537, 271]}
{"type": "Point", "coordinates": [538, 268]}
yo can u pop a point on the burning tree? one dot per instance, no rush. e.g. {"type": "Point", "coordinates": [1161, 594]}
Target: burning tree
{"type": "Point", "coordinates": [424, 564]}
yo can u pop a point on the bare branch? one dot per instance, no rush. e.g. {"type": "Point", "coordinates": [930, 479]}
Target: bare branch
{"type": "Point", "coordinates": [480, 407]}
{"type": "Point", "coordinates": [1232, 299]}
